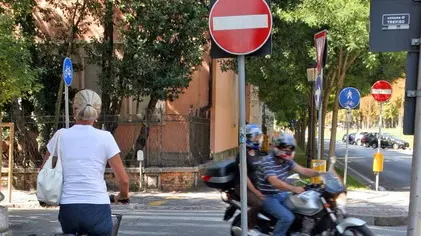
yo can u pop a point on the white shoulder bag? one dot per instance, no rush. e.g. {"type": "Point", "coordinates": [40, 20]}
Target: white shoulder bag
{"type": "Point", "coordinates": [50, 180]}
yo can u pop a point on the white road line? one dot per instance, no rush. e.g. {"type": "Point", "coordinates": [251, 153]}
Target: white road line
{"type": "Point", "coordinates": [183, 218]}
{"type": "Point", "coordinates": [381, 188]}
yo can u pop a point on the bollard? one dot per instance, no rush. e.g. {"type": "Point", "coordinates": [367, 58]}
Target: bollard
{"type": "Point", "coordinates": [378, 162]}
{"type": "Point", "coordinates": [4, 220]}
{"type": "Point", "coordinates": [319, 165]}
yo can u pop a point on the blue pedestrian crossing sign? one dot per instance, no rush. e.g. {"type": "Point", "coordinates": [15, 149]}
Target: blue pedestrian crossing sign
{"type": "Point", "coordinates": [349, 98]}
{"type": "Point", "coordinates": [67, 71]}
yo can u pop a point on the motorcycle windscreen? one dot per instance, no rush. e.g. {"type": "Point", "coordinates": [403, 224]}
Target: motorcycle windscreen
{"type": "Point", "coordinates": [333, 183]}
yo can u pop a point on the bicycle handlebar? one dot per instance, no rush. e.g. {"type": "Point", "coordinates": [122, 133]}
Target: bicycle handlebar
{"type": "Point", "coordinates": [124, 201]}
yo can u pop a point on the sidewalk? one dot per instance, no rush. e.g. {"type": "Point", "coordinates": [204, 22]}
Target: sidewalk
{"type": "Point", "coordinates": [382, 208]}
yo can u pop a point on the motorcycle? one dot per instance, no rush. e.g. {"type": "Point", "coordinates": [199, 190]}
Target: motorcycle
{"type": "Point", "coordinates": [319, 211]}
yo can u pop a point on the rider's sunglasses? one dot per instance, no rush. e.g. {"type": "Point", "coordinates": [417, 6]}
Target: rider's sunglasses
{"type": "Point", "coordinates": [284, 146]}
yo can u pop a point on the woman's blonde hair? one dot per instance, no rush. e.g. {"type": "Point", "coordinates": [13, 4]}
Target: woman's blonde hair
{"type": "Point", "coordinates": [86, 105]}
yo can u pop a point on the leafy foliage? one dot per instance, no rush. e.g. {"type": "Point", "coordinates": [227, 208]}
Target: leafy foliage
{"type": "Point", "coordinates": [163, 45]}
{"type": "Point", "coordinates": [281, 77]}
{"type": "Point", "coordinates": [17, 78]}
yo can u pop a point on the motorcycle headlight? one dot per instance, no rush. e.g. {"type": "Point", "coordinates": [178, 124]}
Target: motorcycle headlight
{"type": "Point", "coordinates": [341, 200]}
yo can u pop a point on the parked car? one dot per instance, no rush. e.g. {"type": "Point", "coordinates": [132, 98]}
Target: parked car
{"type": "Point", "coordinates": [389, 141]}
{"type": "Point", "coordinates": [369, 139]}
{"type": "Point", "coordinates": [358, 137]}
{"type": "Point", "coordinates": [351, 138]}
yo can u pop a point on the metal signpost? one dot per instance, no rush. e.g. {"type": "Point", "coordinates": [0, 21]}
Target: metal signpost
{"type": "Point", "coordinates": [414, 223]}
{"type": "Point", "coordinates": [320, 43]}
{"type": "Point", "coordinates": [395, 39]}
{"type": "Point", "coordinates": [381, 92]}
{"type": "Point", "coordinates": [241, 28]}
{"type": "Point", "coordinates": [67, 77]}
{"type": "Point", "coordinates": [349, 98]}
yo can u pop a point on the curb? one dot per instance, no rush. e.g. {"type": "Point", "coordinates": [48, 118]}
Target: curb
{"type": "Point", "coordinates": [393, 220]}
{"type": "Point", "coordinates": [383, 220]}
{"type": "Point", "coordinates": [359, 177]}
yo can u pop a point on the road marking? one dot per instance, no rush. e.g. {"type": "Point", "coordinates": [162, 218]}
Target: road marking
{"type": "Point", "coordinates": [185, 218]}
{"type": "Point", "coordinates": [141, 232]}
{"type": "Point", "coordinates": [156, 203]}
{"type": "Point", "coordinates": [381, 188]}
{"type": "Point", "coordinates": [175, 197]}
{"type": "Point", "coordinates": [175, 213]}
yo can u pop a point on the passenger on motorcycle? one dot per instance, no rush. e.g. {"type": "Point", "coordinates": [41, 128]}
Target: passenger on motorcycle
{"type": "Point", "coordinates": [254, 196]}
{"type": "Point", "coordinates": [272, 173]}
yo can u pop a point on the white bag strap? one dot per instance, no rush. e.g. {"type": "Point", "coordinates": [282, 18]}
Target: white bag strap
{"type": "Point", "coordinates": [58, 164]}
{"type": "Point", "coordinates": [56, 148]}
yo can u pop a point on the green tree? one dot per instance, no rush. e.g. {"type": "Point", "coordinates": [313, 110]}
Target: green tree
{"type": "Point", "coordinates": [347, 25]}
{"type": "Point", "coordinates": [16, 75]}
{"type": "Point", "coordinates": [18, 79]}
{"type": "Point", "coordinates": [163, 43]}
{"type": "Point", "coordinates": [281, 77]}
{"type": "Point", "coordinates": [69, 26]}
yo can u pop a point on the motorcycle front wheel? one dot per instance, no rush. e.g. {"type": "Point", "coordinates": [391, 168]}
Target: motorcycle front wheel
{"type": "Point", "coordinates": [357, 231]}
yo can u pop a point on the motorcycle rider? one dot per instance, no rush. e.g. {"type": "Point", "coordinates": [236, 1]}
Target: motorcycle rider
{"type": "Point", "coordinates": [272, 173]}
{"type": "Point", "coordinates": [253, 157]}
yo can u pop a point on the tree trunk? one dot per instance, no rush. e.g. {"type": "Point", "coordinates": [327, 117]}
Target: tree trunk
{"type": "Point", "coordinates": [1, 140]}
{"type": "Point", "coordinates": [369, 114]}
{"type": "Point", "coordinates": [303, 132]}
{"type": "Point", "coordinates": [264, 128]}
{"type": "Point", "coordinates": [342, 70]}
{"type": "Point", "coordinates": [336, 105]}
{"type": "Point", "coordinates": [26, 152]}
{"type": "Point", "coordinates": [328, 86]}
{"type": "Point", "coordinates": [143, 136]}
{"type": "Point", "coordinates": [71, 38]}
{"type": "Point", "coordinates": [332, 144]}
{"type": "Point", "coordinates": [108, 109]}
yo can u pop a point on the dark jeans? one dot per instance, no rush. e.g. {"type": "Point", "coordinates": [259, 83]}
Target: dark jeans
{"type": "Point", "coordinates": [90, 219]}
{"type": "Point", "coordinates": [255, 206]}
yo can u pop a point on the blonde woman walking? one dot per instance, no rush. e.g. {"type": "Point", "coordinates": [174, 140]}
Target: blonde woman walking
{"type": "Point", "coordinates": [85, 152]}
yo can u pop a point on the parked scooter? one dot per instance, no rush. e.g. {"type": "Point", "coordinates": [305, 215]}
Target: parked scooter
{"type": "Point", "coordinates": [320, 210]}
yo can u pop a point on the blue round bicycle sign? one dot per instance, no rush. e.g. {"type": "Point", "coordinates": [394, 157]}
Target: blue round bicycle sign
{"type": "Point", "coordinates": [349, 98]}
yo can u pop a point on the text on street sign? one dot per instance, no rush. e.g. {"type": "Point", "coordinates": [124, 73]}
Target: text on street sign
{"type": "Point", "coordinates": [396, 21]}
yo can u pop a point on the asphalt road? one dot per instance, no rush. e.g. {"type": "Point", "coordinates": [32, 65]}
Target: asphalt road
{"type": "Point", "coordinates": [396, 175]}
{"type": "Point", "coordinates": [163, 220]}
{"type": "Point", "coordinates": [198, 214]}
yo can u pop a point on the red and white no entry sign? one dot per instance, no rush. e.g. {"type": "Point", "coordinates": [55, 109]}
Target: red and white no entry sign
{"type": "Point", "coordinates": [381, 91]}
{"type": "Point", "coordinates": [240, 27]}
{"type": "Point", "coordinates": [320, 42]}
